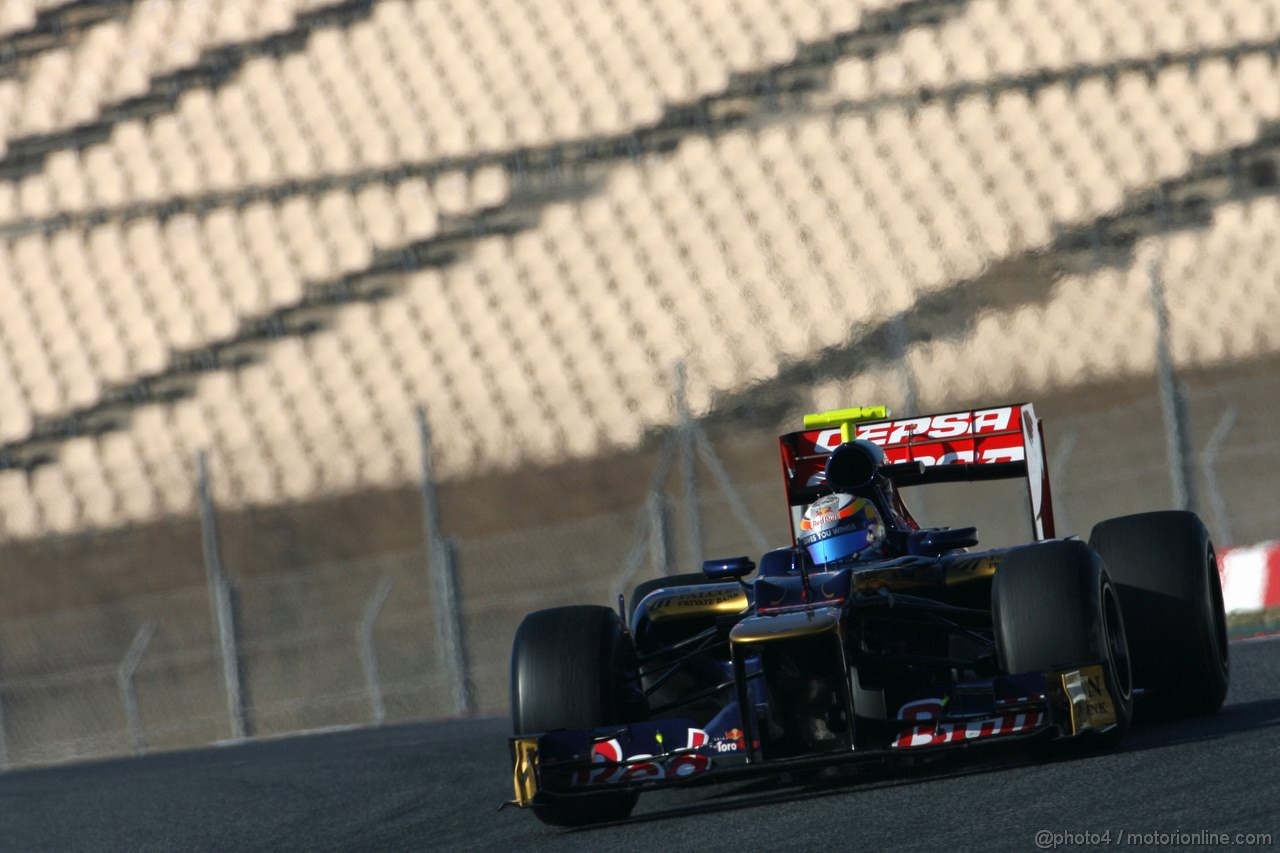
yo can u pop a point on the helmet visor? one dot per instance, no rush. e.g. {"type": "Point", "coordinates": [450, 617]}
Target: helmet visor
{"type": "Point", "coordinates": [839, 547]}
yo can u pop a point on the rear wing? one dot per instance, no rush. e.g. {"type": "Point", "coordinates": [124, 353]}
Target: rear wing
{"type": "Point", "coordinates": [976, 444]}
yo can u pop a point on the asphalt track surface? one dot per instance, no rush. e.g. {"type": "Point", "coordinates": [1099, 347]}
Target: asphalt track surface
{"type": "Point", "coordinates": [437, 787]}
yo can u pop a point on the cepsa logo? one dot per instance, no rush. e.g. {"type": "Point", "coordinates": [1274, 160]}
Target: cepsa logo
{"type": "Point", "coordinates": [941, 439]}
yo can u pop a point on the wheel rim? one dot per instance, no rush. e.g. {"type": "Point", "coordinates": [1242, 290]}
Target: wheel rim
{"type": "Point", "coordinates": [1217, 613]}
{"type": "Point", "coordinates": [1117, 642]}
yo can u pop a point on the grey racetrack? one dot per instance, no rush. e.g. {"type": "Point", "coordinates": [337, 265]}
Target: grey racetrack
{"type": "Point", "coordinates": [438, 787]}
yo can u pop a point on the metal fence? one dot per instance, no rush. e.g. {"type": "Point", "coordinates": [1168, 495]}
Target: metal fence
{"type": "Point", "coordinates": [613, 249]}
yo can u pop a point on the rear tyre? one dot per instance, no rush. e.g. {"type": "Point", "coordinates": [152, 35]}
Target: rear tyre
{"type": "Point", "coordinates": [1055, 608]}
{"type": "Point", "coordinates": [646, 587]}
{"type": "Point", "coordinates": [1166, 572]}
{"type": "Point", "coordinates": [575, 668]}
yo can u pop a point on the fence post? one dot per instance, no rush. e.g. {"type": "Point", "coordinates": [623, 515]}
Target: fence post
{"type": "Point", "coordinates": [900, 341]}
{"type": "Point", "coordinates": [369, 651]}
{"type": "Point", "coordinates": [640, 543]}
{"type": "Point", "coordinates": [124, 677]}
{"type": "Point", "coordinates": [1208, 461]}
{"type": "Point", "coordinates": [441, 562]}
{"type": "Point", "coordinates": [4, 738]}
{"type": "Point", "coordinates": [730, 491]}
{"type": "Point", "coordinates": [1173, 401]}
{"type": "Point", "coordinates": [659, 534]}
{"type": "Point", "coordinates": [688, 473]}
{"type": "Point", "coordinates": [224, 620]}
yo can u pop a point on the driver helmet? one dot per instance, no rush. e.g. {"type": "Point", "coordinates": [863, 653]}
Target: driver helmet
{"type": "Point", "coordinates": [840, 527]}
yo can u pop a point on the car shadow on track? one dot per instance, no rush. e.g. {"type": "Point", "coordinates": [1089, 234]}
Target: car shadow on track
{"type": "Point", "coordinates": [781, 790]}
{"type": "Point", "coordinates": [1232, 719]}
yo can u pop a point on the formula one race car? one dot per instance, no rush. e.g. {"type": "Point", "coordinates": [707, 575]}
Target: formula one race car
{"type": "Point", "coordinates": [870, 638]}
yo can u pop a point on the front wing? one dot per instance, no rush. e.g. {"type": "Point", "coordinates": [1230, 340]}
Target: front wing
{"type": "Point", "coordinates": [658, 754]}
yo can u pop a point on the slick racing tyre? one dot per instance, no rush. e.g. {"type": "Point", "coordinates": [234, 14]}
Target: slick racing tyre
{"type": "Point", "coordinates": [1166, 572]}
{"type": "Point", "coordinates": [646, 587]}
{"type": "Point", "coordinates": [1054, 607]}
{"type": "Point", "coordinates": [575, 668]}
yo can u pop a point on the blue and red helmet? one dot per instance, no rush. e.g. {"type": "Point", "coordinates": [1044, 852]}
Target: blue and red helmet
{"type": "Point", "coordinates": [841, 527]}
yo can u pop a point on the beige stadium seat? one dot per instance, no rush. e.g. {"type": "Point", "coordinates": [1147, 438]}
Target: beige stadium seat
{"type": "Point", "coordinates": [370, 45]}
{"type": "Point", "coordinates": [542, 331]}
{"type": "Point", "coordinates": [8, 202]}
{"type": "Point", "coordinates": [305, 243]}
{"type": "Point", "coordinates": [383, 408]}
{"type": "Point", "coordinates": [244, 450]}
{"type": "Point", "coordinates": [343, 232]}
{"type": "Point", "coordinates": [370, 89]}
{"type": "Point", "coordinates": [1225, 277]}
{"type": "Point", "coordinates": [60, 510]}
{"type": "Point", "coordinates": [181, 431]}
{"type": "Point", "coordinates": [18, 15]}
{"type": "Point", "coordinates": [127, 471]}
{"type": "Point", "coordinates": [214, 157]}
{"type": "Point", "coordinates": [138, 163]}
{"type": "Point", "coordinates": [989, 39]}
{"type": "Point", "coordinates": [90, 301]}
{"type": "Point", "coordinates": [35, 197]}
{"type": "Point", "coordinates": [87, 480]}
{"type": "Point", "coordinates": [19, 513]}
{"type": "Point", "coordinates": [181, 172]}
{"type": "Point", "coordinates": [296, 402]}
{"type": "Point", "coordinates": [107, 182]}
{"type": "Point", "coordinates": [160, 285]}
{"type": "Point", "coordinates": [298, 469]}
{"type": "Point", "coordinates": [406, 330]}
{"type": "Point", "coordinates": [16, 417]}
{"type": "Point", "coordinates": [270, 253]}
{"type": "Point", "coordinates": [261, 80]}
{"type": "Point", "coordinates": [501, 86]}
{"type": "Point", "coordinates": [455, 371]}
{"type": "Point", "coordinates": [202, 293]}
{"type": "Point", "coordinates": [222, 240]}
{"type": "Point", "coordinates": [117, 58]}
{"type": "Point", "coordinates": [92, 59]}
{"type": "Point", "coordinates": [417, 208]}
{"type": "Point", "coordinates": [279, 409]}
{"type": "Point", "coordinates": [238, 114]}
{"type": "Point", "coordinates": [32, 363]}
{"type": "Point", "coordinates": [352, 102]}
{"type": "Point", "coordinates": [767, 23]}
{"type": "Point", "coordinates": [55, 324]}
{"type": "Point", "coordinates": [443, 128]}
{"type": "Point", "coordinates": [114, 278]}
{"type": "Point", "coordinates": [310, 114]}
{"type": "Point", "coordinates": [68, 183]}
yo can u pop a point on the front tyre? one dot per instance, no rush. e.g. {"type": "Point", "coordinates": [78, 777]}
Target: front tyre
{"type": "Point", "coordinates": [575, 668]}
{"type": "Point", "coordinates": [1055, 608]}
{"type": "Point", "coordinates": [1166, 571]}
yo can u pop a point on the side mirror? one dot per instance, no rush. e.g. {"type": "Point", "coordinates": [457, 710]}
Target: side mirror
{"type": "Point", "coordinates": [931, 543]}
{"type": "Point", "coordinates": [850, 467]}
{"type": "Point", "coordinates": [728, 568]}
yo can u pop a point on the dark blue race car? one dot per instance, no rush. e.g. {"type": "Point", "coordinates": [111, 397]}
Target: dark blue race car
{"type": "Point", "coordinates": [871, 638]}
